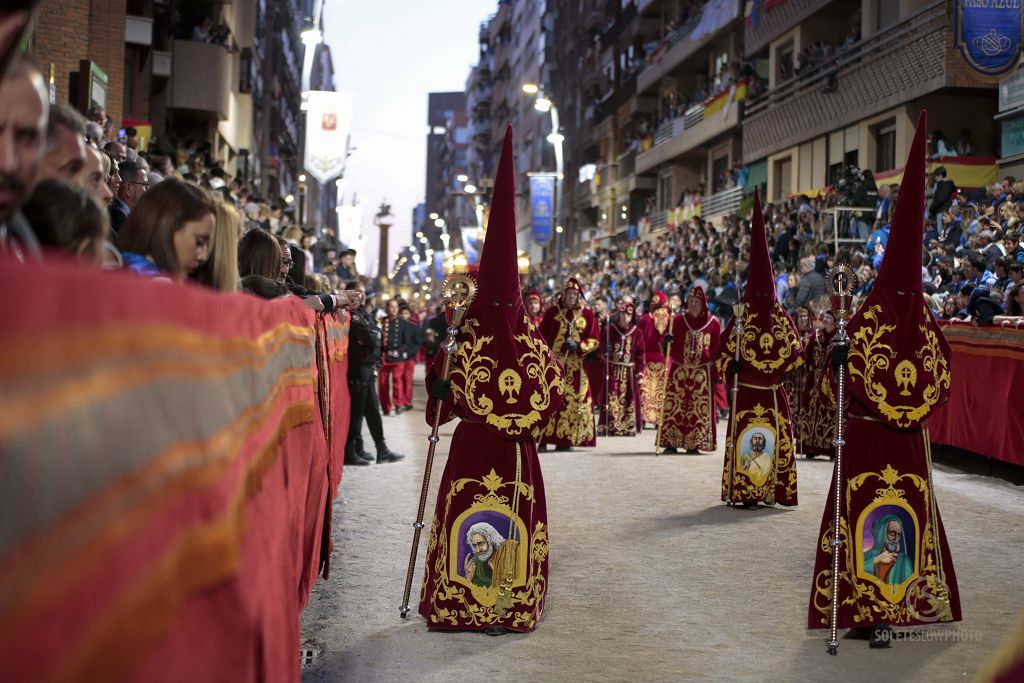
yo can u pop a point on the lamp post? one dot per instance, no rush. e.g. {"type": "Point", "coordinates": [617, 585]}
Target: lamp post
{"type": "Point", "coordinates": [544, 104]}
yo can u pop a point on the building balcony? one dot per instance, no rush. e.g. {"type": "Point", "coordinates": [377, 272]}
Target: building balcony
{"type": "Point", "coordinates": [200, 78]}
{"type": "Point", "coordinates": [698, 126]}
{"type": "Point", "coordinates": [722, 203]}
{"type": "Point", "coordinates": [685, 42]}
{"type": "Point", "coordinates": [908, 61]}
{"type": "Point", "coordinates": [773, 24]}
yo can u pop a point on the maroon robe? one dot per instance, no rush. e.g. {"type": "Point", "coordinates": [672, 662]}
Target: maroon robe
{"type": "Point", "coordinates": [894, 562]}
{"type": "Point", "coordinates": [574, 423]}
{"type": "Point", "coordinates": [624, 354]}
{"type": "Point", "coordinates": [487, 553]}
{"type": "Point", "coordinates": [653, 327]}
{"type": "Point", "coordinates": [759, 457]}
{"type": "Point", "coordinates": [816, 421]}
{"type": "Point", "coordinates": [689, 417]}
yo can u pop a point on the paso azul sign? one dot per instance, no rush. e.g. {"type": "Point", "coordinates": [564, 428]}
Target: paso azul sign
{"type": "Point", "coordinates": [989, 34]}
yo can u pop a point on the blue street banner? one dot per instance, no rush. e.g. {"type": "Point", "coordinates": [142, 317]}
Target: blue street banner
{"type": "Point", "coordinates": [542, 207]}
{"type": "Point", "coordinates": [988, 33]}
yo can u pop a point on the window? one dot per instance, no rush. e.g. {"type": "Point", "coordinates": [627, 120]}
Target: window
{"type": "Point", "coordinates": [887, 13]}
{"type": "Point", "coordinates": [784, 63]}
{"type": "Point", "coordinates": [665, 192]}
{"type": "Point", "coordinates": [783, 178]}
{"type": "Point", "coordinates": [885, 146]}
{"type": "Point", "coordinates": [719, 173]}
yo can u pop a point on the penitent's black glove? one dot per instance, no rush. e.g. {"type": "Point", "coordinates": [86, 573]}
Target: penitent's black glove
{"type": "Point", "coordinates": [441, 389]}
{"type": "Point", "coordinates": [735, 367]}
{"type": "Point", "coordinates": [572, 345]}
{"type": "Point", "coordinates": [666, 340]}
{"type": "Point", "coordinates": [840, 356]}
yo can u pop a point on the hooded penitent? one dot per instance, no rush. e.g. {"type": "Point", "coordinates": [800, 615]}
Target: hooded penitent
{"type": "Point", "coordinates": [768, 349]}
{"type": "Point", "coordinates": [622, 359]}
{"type": "Point", "coordinates": [654, 324]}
{"type": "Point", "coordinates": [688, 419]}
{"type": "Point", "coordinates": [898, 372]}
{"type": "Point", "coordinates": [487, 554]}
{"type": "Point", "coordinates": [899, 359]}
{"type": "Point", "coordinates": [504, 375]}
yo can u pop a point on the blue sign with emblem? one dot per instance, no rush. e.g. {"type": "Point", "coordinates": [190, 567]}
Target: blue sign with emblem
{"type": "Point", "coordinates": [988, 34]}
{"type": "Point", "coordinates": [542, 207]}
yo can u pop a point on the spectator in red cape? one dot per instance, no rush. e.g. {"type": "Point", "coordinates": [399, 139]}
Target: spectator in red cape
{"type": "Point", "coordinates": [170, 230]}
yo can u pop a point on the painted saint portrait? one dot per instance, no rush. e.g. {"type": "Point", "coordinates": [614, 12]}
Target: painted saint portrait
{"type": "Point", "coordinates": [888, 540]}
{"type": "Point", "coordinates": [757, 453]}
{"type": "Point", "coordinates": [486, 555]}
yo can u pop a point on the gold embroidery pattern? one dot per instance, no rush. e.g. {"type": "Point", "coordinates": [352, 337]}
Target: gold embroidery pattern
{"type": "Point", "coordinates": [783, 469]}
{"type": "Point", "coordinates": [574, 423]}
{"type": "Point", "coordinates": [526, 603]}
{"type": "Point", "coordinates": [622, 418]}
{"type": "Point", "coordinates": [662, 318]}
{"type": "Point", "coordinates": [870, 357]}
{"type": "Point", "coordinates": [816, 418]}
{"type": "Point", "coordinates": [652, 392]}
{"type": "Point", "coordinates": [689, 413]}
{"type": "Point", "coordinates": [766, 351]}
{"type": "Point", "coordinates": [873, 602]}
{"type": "Point", "coordinates": [472, 368]}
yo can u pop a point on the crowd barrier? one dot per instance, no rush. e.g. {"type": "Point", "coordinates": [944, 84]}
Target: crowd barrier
{"type": "Point", "coordinates": [168, 458]}
{"type": "Point", "coordinates": [981, 415]}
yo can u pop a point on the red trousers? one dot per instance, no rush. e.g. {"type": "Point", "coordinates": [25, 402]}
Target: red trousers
{"type": "Point", "coordinates": [408, 368]}
{"type": "Point", "coordinates": [390, 386]}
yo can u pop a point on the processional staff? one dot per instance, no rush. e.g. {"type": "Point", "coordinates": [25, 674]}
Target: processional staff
{"type": "Point", "coordinates": [458, 291]}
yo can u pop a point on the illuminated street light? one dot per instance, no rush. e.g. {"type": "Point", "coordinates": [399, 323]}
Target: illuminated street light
{"type": "Point", "coordinates": [419, 234]}
{"type": "Point", "coordinates": [556, 138]}
{"type": "Point", "coordinates": [470, 188]}
{"type": "Point", "coordinates": [311, 36]}
{"type": "Point", "coordinates": [302, 177]}
{"type": "Point", "coordinates": [439, 222]}
{"type": "Point", "coordinates": [462, 177]}
{"type": "Point", "coordinates": [433, 216]}
{"type": "Point", "coordinates": [531, 88]}
{"type": "Point", "coordinates": [289, 199]}
{"type": "Point", "coordinates": [542, 104]}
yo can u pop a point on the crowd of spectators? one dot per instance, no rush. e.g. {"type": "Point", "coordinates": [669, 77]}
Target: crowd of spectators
{"type": "Point", "coordinates": [972, 256]}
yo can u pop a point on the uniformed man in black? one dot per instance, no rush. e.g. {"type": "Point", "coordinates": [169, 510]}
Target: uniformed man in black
{"type": "Point", "coordinates": [364, 357]}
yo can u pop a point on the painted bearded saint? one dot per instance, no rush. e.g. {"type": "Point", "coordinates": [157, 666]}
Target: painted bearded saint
{"type": "Point", "coordinates": [488, 555]}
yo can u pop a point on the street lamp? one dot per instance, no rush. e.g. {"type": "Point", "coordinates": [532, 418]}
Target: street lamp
{"type": "Point", "coordinates": [433, 216]}
{"type": "Point", "coordinates": [470, 188]}
{"type": "Point", "coordinates": [462, 177]}
{"type": "Point", "coordinates": [531, 88]}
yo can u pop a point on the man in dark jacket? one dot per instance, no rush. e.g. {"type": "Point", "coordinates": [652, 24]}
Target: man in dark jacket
{"type": "Point", "coordinates": [942, 195]}
{"type": "Point", "coordinates": [364, 356]}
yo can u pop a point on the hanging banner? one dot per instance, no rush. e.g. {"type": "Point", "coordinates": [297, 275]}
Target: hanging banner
{"type": "Point", "coordinates": [542, 206]}
{"type": "Point", "coordinates": [988, 33]}
{"type": "Point", "coordinates": [328, 123]}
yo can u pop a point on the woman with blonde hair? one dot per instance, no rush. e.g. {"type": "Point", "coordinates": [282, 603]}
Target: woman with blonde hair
{"type": "Point", "coordinates": [220, 271]}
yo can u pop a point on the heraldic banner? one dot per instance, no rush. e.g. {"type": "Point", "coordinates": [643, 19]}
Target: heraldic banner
{"type": "Point", "coordinates": [328, 124]}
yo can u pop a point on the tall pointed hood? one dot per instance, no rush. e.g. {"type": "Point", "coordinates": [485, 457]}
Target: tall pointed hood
{"type": "Point", "coordinates": [770, 345]}
{"type": "Point", "coordinates": [899, 358]}
{"type": "Point", "coordinates": [504, 375]}
{"type": "Point", "coordinates": [760, 288]}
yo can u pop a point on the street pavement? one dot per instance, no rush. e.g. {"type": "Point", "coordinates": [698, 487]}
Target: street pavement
{"type": "Point", "coordinates": [651, 577]}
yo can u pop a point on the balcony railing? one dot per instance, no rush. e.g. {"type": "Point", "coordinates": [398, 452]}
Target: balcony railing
{"type": "Point", "coordinates": [689, 131]}
{"type": "Point", "coordinates": [200, 77]}
{"type": "Point", "coordinates": [819, 75]}
{"type": "Point", "coordinates": [627, 164]}
{"type": "Point", "coordinates": [722, 203]}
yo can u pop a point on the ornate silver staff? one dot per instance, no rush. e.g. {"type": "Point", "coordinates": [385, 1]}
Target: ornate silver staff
{"type": "Point", "coordinates": [841, 283]}
{"type": "Point", "coordinates": [738, 311]}
{"type": "Point", "coordinates": [459, 291]}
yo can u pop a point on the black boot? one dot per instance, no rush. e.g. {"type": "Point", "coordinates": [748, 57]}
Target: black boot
{"type": "Point", "coordinates": [352, 458]}
{"type": "Point", "coordinates": [360, 451]}
{"type": "Point", "coordinates": [670, 451]}
{"type": "Point", "coordinates": [692, 451]}
{"type": "Point", "coordinates": [385, 454]}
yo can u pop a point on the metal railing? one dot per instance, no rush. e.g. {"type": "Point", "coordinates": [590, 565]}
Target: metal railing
{"type": "Point", "coordinates": [845, 225]}
{"type": "Point", "coordinates": [722, 203]}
